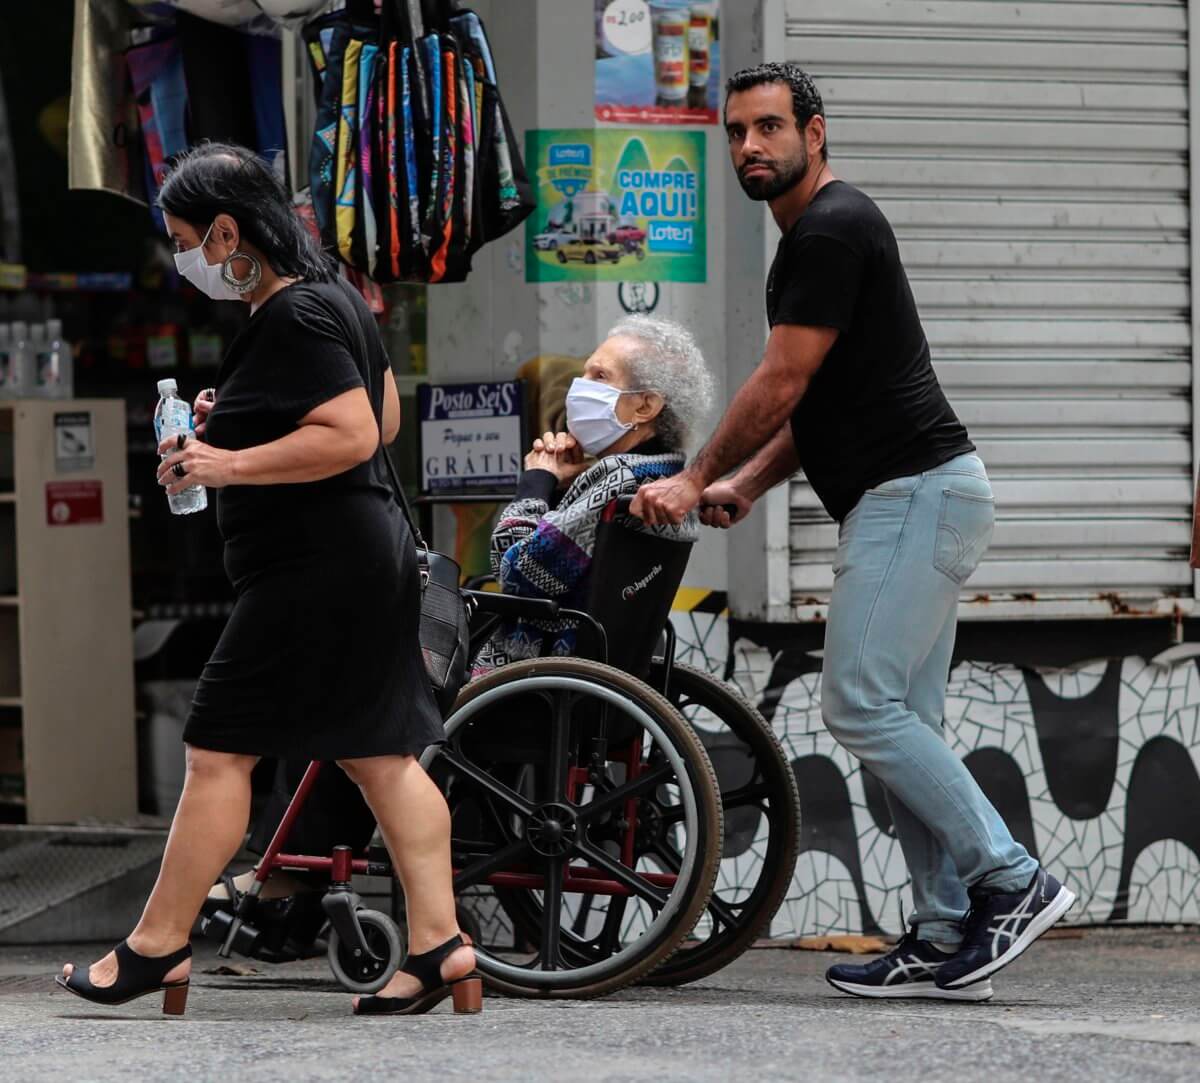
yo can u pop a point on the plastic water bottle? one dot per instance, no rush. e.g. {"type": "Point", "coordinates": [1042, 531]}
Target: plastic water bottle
{"type": "Point", "coordinates": [37, 349]}
{"type": "Point", "coordinates": [53, 366]}
{"type": "Point", "coordinates": [173, 416]}
{"type": "Point", "coordinates": [16, 376]}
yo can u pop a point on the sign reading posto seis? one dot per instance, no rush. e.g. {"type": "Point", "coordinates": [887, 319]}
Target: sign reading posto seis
{"type": "Point", "coordinates": [470, 436]}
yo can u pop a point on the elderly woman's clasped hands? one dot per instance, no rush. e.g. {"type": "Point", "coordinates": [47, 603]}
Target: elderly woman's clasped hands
{"type": "Point", "coordinates": [560, 454]}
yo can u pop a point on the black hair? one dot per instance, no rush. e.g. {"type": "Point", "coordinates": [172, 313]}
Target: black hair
{"type": "Point", "coordinates": [223, 178]}
{"type": "Point", "coordinates": [806, 99]}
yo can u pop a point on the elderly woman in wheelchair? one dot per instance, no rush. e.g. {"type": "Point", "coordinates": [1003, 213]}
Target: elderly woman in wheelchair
{"type": "Point", "coordinates": [581, 747]}
{"type": "Point", "coordinates": [642, 394]}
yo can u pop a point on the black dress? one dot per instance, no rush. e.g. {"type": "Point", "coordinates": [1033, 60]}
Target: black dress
{"type": "Point", "coordinates": [320, 658]}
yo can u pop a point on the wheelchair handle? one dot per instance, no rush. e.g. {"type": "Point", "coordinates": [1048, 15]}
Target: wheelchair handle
{"type": "Point", "coordinates": [621, 505]}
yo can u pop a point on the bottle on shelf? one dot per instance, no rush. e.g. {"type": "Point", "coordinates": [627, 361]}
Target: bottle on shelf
{"type": "Point", "coordinates": [33, 360]}
{"type": "Point", "coordinates": [15, 376]}
{"type": "Point", "coordinates": [172, 417]}
{"type": "Point", "coordinates": [54, 375]}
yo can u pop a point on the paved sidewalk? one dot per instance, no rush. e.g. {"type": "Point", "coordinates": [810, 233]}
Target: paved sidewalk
{"type": "Point", "coordinates": [1115, 1005]}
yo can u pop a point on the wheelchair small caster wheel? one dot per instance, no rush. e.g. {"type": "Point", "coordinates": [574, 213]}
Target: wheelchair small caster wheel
{"type": "Point", "coordinates": [362, 973]}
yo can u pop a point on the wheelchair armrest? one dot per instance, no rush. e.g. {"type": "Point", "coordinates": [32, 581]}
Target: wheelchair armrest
{"type": "Point", "coordinates": [511, 605]}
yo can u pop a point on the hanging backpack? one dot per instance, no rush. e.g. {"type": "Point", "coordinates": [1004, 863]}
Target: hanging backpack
{"type": "Point", "coordinates": [414, 164]}
{"type": "Point", "coordinates": [507, 196]}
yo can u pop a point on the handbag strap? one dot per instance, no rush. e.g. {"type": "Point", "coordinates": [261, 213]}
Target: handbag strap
{"type": "Point", "coordinates": [401, 499]}
{"type": "Point", "coordinates": [360, 339]}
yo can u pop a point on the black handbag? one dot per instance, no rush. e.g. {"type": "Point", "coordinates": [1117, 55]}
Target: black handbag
{"type": "Point", "coordinates": [444, 635]}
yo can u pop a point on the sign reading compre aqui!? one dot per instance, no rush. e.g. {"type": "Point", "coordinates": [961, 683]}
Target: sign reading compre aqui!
{"type": "Point", "coordinates": [470, 436]}
{"type": "Point", "coordinates": [617, 205]}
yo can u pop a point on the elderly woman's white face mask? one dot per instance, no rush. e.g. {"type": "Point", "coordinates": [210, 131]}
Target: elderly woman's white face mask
{"type": "Point", "coordinates": [592, 414]}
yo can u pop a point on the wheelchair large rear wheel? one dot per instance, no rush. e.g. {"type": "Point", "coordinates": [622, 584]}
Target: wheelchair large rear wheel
{"type": "Point", "coordinates": [761, 808]}
{"type": "Point", "coordinates": [557, 771]}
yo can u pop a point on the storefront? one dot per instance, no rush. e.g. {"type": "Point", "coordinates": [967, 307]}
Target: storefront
{"type": "Point", "coordinates": [1033, 159]}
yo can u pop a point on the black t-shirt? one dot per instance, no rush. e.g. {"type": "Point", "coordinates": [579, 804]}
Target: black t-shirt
{"type": "Point", "coordinates": [875, 410]}
{"type": "Point", "coordinates": [304, 346]}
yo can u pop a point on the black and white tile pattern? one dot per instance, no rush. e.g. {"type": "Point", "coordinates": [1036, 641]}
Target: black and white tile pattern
{"type": "Point", "coordinates": [1096, 768]}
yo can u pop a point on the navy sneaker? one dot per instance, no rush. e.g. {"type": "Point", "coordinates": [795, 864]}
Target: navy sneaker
{"type": "Point", "coordinates": [1001, 925]}
{"type": "Point", "coordinates": [907, 970]}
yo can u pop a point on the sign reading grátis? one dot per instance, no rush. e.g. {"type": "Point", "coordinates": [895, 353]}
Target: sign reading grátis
{"type": "Point", "coordinates": [470, 436]}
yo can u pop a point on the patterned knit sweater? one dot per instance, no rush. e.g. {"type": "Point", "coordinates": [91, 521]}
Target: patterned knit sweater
{"type": "Point", "coordinates": [541, 551]}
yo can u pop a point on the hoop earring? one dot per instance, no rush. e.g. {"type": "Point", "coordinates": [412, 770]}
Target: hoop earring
{"type": "Point", "coordinates": [241, 285]}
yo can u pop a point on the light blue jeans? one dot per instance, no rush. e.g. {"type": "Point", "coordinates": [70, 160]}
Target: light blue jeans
{"type": "Point", "coordinates": [903, 554]}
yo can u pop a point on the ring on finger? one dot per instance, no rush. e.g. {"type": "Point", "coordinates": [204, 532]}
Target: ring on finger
{"type": "Point", "coordinates": [179, 470]}
{"type": "Point", "coordinates": [180, 441]}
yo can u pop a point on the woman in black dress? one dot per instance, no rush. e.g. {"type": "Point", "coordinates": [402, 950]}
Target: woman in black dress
{"type": "Point", "coordinates": [320, 659]}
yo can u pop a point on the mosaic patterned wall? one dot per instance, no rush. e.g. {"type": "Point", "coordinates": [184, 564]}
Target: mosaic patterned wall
{"type": "Point", "coordinates": [1095, 769]}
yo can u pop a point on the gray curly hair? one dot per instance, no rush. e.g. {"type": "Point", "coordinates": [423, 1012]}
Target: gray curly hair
{"type": "Point", "coordinates": [669, 362]}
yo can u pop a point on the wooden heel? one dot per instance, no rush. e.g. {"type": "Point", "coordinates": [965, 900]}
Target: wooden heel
{"type": "Point", "coordinates": [175, 999]}
{"type": "Point", "coordinates": [468, 996]}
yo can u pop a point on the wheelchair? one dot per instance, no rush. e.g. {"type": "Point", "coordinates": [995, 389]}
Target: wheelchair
{"type": "Point", "coordinates": [583, 796]}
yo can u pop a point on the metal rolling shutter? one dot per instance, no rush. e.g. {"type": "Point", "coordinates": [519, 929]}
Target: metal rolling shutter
{"type": "Point", "coordinates": [1033, 159]}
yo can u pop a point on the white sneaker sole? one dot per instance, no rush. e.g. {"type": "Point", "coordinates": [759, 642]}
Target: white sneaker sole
{"type": "Point", "coordinates": [1061, 903]}
{"type": "Point", "coordinates": [924, 990]}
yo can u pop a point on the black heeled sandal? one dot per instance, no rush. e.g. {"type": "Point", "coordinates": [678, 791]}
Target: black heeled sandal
{"type": "Point", "coordinates": [427, 969]}
{"type": "Point", "coordinates": [137, 976]}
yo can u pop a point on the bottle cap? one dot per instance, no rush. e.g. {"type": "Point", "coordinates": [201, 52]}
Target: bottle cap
{"type": "Point", "coordinates": [167, 387]}
{"type": "Point", "coordinates": [37, 333]}
{"type": "Point", "coordinates": [5, 332]}
{"type": "Point", "coordinates": [19, 330]}
{"type": "Point", "coordinates": [54, 330]}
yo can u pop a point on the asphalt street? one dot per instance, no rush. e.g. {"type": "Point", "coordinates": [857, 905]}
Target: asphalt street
{"type": "Point", "coordinates": [1114, 1005]}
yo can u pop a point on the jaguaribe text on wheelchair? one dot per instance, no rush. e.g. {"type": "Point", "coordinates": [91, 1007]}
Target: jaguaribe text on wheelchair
{"type": "Point", "coordinates": [594, 796]}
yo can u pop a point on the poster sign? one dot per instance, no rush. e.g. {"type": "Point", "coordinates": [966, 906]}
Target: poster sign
{"type": "Point", "coordinates": [74, 442]}
{"type": "Point", "coordinates": [616, 205]}
{"type": "Point", "coordinates": [74, 503]}
{"type": "Point", "coordinates": [657, 61]}
{"type": "Point", "coordinates": [470, 436]}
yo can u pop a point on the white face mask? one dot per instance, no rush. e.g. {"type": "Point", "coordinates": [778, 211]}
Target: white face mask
{"type": "Point", "coordinates": [205, 276]}
{"type": "Point", "coordinates": [592, 414]}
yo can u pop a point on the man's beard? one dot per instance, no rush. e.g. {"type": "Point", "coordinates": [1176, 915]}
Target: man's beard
{"type": "Point", "coordinates": [783, 176]}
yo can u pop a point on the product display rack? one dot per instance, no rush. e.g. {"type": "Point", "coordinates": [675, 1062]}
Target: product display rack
{"type": "Point", "coordinates": [67, 727]}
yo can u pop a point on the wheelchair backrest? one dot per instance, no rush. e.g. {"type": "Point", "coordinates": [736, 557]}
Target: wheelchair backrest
{"type": "Point", "coordinates": [634, 579]}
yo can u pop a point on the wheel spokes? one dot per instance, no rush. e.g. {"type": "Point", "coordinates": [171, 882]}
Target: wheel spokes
{"type": "Point", "coordinates": [624, 875]}
{"type": "Point", "coordinates": [552, 895]}
{"type": "Point", "coordinates": [718, 908]}
{"type": "Point", "coordinates": [485, 781]}
{"type": "Point", "coordinates": [558, 762]}
{"type": "Point", "coordinates": [753, 794]}
{"type": "Point", "coordinates": [612, 799]}
{"type": "Point", "coordinates": [495, 862]}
